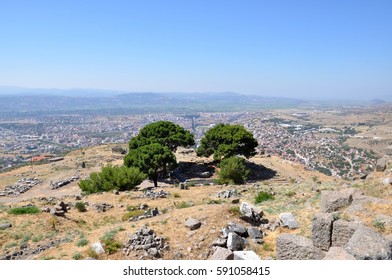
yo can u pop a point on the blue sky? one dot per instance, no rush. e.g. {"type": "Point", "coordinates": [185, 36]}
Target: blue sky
{"type": "Point", "coordinates": [272, 48]}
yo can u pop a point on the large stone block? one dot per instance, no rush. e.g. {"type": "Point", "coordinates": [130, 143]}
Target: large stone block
{"type": "Point", "coordinates": [366, 244]}
{"type": "Point", "coordinates": [235, 242]}
{"type": "Point", "coordinates": [222, 254]}
{"type": "Point", "coordinates": [246, 255]}
{"type": "Point", "coordinates": [322, 230]}
{"type": "Point", "coordinates": [296, 247]}
{"type": "Point", "coordinates": [342, 231]}
{"type": "Point", "coordinates": [288, 220]}
{"type": "Point", "coordinates": [338, 253]}
{"type": "Point", "coordinates": [332, 201]}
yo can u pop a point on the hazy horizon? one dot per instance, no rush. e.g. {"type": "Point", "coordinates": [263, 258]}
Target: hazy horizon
{"type": "Point", "coordinates": [302, 49]}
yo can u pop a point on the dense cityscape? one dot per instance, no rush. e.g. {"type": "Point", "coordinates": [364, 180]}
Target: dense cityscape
{"type": "Point", "coordinates": [317, 147]}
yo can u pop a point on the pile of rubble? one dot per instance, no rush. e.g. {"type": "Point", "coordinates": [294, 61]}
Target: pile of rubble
{"type": "Point", "coordinates": [58, 210]}
{"type": "Point", "coordinates": [146, 241]}
{"type": "Point", "coordinates": [102, 207]}
{"type": "Point", "coordinates": [233, 241]}
{"type": "Point", "coordinates": [334, 238]}
{"type": "Point", "coordinates": [64, 182]}
{"type": "Point", "coordinates": [147, 214]}
{"type": "Point", "coordinates": [228, 194]}
{"type": "Point", "coordinates": [25, 252]}
{"type": "Point", "coordinates": [22, 186]}
{"type": "Point", "coordinates": [155, 195]}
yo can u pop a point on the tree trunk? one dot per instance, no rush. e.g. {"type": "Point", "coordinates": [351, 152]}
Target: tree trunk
{"type": "Point", "coordinates": [155, 179]}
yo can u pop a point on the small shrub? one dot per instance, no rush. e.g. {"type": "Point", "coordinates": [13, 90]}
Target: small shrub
{"type": "Point", "coordinates": [132, 208]}
{"type": "Point", "coordinates": [214, 201]}
{"type": "Point", "coordinates": [378, 224]}
{"type": "Point", "coordinates": [164, 222]}
{"type": "Point", "coordinates": [24, 210]}
{"type": "Point", "coordinates": [109, 235]}
{"type": "Point", "coordinates": [176, 195]}
{"type": "Point", "coordinates": [37, 238]}
{"type": "Point", "coordinates": [110, 244]}
{"type": "Point", "coordinates": [80, 206]}
{"type": "Point", "coordinates": [132, 214]}
{"type": "Point", "coordinates": [92, 254]}
{"type": "Point", "coordinates": [290, 193]}
{"type": "Point", "coordinates": [267, 247]}
{"type": "Point", "coordinates": [263, 196]}
{"type": "Point", "coordinates": [183, 204]}
{"type": "Point", "coordinates": [233, 171]}
{"type": "Point", "coordinates": [77, 256]}
{"type": "Point", "coordinates": [82, 242]}
{"type": "Point", "coordinates": [112, 178]}
{"type": "Point", "coordinates": [164, 211]}
{"type": "Point", "coordinates": [235, 210]}
{"type": "Point", "coordinates": [10, 245]}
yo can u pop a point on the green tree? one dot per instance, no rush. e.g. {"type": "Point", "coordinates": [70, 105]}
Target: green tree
{"type": "Point", "coordinates": [227, 140]}
{"type": "Point", "coordinates": [112, 178]}
{"type": "Point", "coordinates": [163, 132]}
{"type": "Point", "coordinates": [152, 159]}
{"type": "Point", "coordinates": [232, 171]}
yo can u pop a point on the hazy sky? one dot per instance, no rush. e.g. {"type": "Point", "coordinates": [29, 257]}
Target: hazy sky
{"type": "Point", "coordinates": [284, 48]}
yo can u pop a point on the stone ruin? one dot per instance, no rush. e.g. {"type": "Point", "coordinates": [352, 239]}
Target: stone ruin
{"type": "Point", "coordinates": [62, 183]}
{"type": "Point", "coordinates": [146, 244]}
{"type": "Point", "coordinates": [155, 195]}
{"type": "Point", "coordinates": [334, 238]}
{"type": "Point", "coordinates": [22, 186]}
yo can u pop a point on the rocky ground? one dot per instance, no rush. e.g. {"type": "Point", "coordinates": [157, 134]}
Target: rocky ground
{"type": "Point", "coordinates": [311, 216]}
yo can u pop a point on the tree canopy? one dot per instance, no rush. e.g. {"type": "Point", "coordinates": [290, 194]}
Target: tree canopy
{"type": "Point", "coordinates": [163, 132]}
{"type": "Point", "coordinates": [151, 159]}
{"type": "Point", "coordinates": [227, 140]}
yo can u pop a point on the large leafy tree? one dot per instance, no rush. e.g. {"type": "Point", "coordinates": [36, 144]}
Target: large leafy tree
{"type": "Point", "coordinates": [153, 159]}
{"type": "Point", "coordinates": [227, 140]}
{"type": "Point", "coordinates": [163, 132]}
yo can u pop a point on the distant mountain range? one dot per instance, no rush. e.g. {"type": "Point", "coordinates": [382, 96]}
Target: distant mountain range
{"type": "Point", "coordinates": [18, 100]}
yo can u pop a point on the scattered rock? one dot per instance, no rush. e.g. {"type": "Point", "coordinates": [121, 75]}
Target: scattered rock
{"type": "Point", "coordinates": [322, 230]}
{"type": "Point", "coordinates": [245, 255]}
{"type": "Point", "coordinates": [381, 164]}
{"type": "Point", "coordinates": [235, 201]}
{"type": "Point", "coordinates": [338, 253]}
{"type": "Point", "coordinates": [183, 186]}
{"type": "Point", "coordinates": [366, 244]}
{"type": "Point", "coordinates": [296, 247]}
{"type": "Point", "coordinates": [192, 223]}
{"type": "Point", "coordinates": [221, 242]}
{"type": "Point", "coordinates": [5, 226]}
{"type": "Point", "coordinates": [250, 213]}
{"type": "Point", "coordinates": [116, 192]}
{"type": "Point", "coordinates": [98, 248]}
{"type": "Point", "coordinates": [155, 195]}
{"type": "Point", "coordinates": [255, 234]}
{"type": "Point", "coordinates": [387, 181]}
{"type": "Point", "coordinates": [228, 193]}
{"type": "Point", "coordinates": [102, 207]}
{"type": "Point", "coordinates": [222, 254]}
{"type": "Point", "coordinates": [235, 242]}
{"type": "Point", "coordinates": [238, 229]}
{"type": "Point", "coordinates": [288, 220]}
{"type": "Point", "coordinates": [332, 201]}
